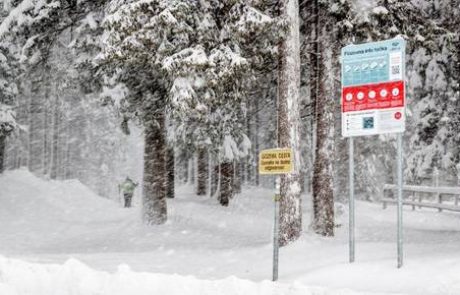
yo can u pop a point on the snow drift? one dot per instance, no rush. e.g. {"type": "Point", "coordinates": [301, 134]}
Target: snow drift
{"type": "Point", "coordinates": [75, 278]}
{"type": "Point", "coordinates": [37, 215]}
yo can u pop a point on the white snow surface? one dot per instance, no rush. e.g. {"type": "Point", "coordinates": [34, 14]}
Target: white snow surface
{"type": "Point", "coordinates": [58, 237]}
{"type": "Point", "coordinates": [75, 278]}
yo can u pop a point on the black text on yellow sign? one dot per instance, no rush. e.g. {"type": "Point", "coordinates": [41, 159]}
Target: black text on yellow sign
{"type": "Point", "coordinates": [276, 161]}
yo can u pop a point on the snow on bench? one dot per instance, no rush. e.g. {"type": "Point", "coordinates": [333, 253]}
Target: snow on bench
{"type": "Point", "coordinates": [422, 191]}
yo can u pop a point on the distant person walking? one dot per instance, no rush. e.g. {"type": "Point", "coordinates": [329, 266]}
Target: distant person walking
{"type": "Point", "coordinates": [127, 187]}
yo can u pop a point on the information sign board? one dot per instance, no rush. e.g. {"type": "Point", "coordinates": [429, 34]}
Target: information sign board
{"type": "Point", "coordinates": [373, 88]}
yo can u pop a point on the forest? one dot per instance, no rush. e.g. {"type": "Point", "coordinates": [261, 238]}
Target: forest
{"type": "Point", "coordinates": [192, 90]}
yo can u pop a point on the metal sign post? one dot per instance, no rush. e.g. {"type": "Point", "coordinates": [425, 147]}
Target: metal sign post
{"type": "Point", "coordinates": [276, 162]}
{"type": "Point", "coordinates": [374, 102]}
{"type": "Point", "coordinates": [276, 228]}
{"type": "Point", "coordinates": [351, 204]}
{"type": "Point", "coordinates": [400, 201]}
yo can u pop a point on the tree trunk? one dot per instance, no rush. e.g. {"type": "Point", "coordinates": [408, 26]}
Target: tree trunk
{"type": "Point", "coordinates": [2, 152]}
{"type": "Point", "coordinates": [185, 163]}
{"type": "Point", "coordinates": [36, 129]}
{"type": "Point", "coordinates": [202, 172]}
{"type": "Point", "coordinates": [256, 147]}
{"type": "Point", "coordinates": [226, 183]}
{"type": "Point", "coordinates": [215, 180]}
{"type": "Point", "coordinates": [55, 141]}
{"type": "Point", "coordinates": [247, 163]}
{"type": "Point", "coordinates": [46, 132]}
{"type": "Point", "coordinates": [191, 170]}
{"type": "Point", "coordinates": [302, 181]}
{"type": "Point", "coordinates": [170, 168]}
{"type": "Point", "coordinates": [288, 124]}
{"type": "Point", "coordinates": [323, 193]}
{"type": "Point", "coordinates": [237, 176]}
{"type": "Point", "coordinates": [64, 162]}
{"type": "Point", "coordinates": [154, 187]}
{"type": "Point", "coordinates": [210, 174]}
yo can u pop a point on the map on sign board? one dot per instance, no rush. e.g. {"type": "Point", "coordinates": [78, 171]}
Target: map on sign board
{"type": "Point", "coordinates": [373, 88]}
{"type": "Point", "coordinates": [276, 161]}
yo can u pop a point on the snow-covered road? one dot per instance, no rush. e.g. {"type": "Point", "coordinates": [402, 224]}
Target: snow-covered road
{"type": "Point", "coordinates": [52, 221]}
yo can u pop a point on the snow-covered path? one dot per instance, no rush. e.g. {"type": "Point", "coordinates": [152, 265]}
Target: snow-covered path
{"type": "Point", "coordinates": [50, 222]}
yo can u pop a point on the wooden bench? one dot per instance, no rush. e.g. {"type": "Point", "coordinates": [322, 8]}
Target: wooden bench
{"type": "Point", "coordinates": [440, 192]}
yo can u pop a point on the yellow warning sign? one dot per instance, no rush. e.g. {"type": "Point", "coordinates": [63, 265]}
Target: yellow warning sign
{"type": "Point", "coordinates": [276, 161]}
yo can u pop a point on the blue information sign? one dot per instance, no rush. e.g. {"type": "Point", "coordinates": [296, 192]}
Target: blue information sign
{"type": "Point", "coordinates": [370, 62]}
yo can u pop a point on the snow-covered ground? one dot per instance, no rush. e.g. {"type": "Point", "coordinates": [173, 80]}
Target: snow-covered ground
{"type": "Point", "coordinates": [61, 238]}
{"type": "Point", "coordinates": [75, 278]}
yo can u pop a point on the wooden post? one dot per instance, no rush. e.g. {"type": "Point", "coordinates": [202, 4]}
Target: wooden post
{"type": "Point", "coordinates": [413, 199]}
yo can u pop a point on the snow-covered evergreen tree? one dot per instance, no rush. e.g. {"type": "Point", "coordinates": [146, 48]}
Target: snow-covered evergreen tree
{"type": "Point", "coordinates": [192, 54]}
{"type": "Point", "coordinates": [8, 92]}
{"type": "Point", "coordinates": [49, 46]}
{"type": "Point", "coordinates": [209, 99]}
{"type": "Point", "coordinates": [433, 86]}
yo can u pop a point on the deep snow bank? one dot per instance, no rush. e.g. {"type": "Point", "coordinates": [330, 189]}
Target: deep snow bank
{"type": "Point", "coordinates": [49, 216]}
{"type": "Point", "coordinates": [20, 187]}
{"type": "Point", "coordinates": [75, 278]}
